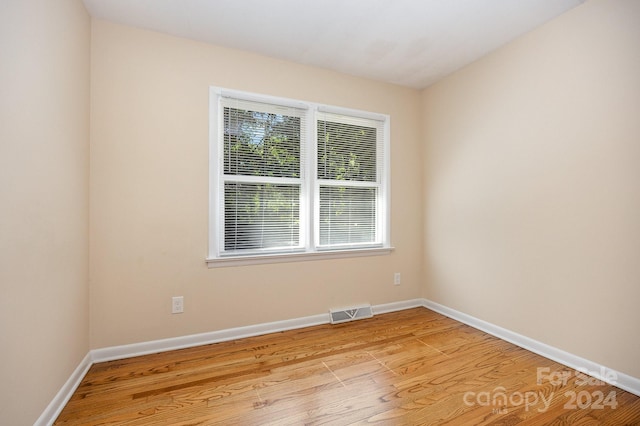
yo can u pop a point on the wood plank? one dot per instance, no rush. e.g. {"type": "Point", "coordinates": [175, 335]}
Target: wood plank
{"type": "Point", "coordinates": [408, 367]}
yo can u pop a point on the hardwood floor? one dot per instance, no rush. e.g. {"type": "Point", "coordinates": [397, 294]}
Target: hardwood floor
{"type": "Point", "coordinates": [410, 367]}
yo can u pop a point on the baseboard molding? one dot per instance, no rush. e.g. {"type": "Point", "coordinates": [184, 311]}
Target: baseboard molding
{"type": "Point", "coordinates": [182, 342]}
{"type": "Point", "coordinates": [600, 372]}
{"type": "Point", "coordinates": [623, 381]}
{"type": "Point", "coordinates": [397, 306]}
{"type": "Point", "coordinates": [51, 413]}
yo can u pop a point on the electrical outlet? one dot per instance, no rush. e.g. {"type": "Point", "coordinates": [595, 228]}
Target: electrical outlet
{"type": "Point", "coordinates": [177, 305]}
{"type": "Point", "coordinates": [396, 278]}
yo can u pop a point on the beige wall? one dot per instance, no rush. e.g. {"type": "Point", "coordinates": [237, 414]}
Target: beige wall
{"type": "Point", "coordinates": [532, 186]}
{"type": "Point", "coordinates": [149, 192]}
{"type": "Point", "coordinates": [44, 219]}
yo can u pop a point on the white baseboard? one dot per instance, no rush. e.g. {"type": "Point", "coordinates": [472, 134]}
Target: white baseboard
{"type": "Point", "coordinates": [182, 342]}
{"type": "Point", "coordinates": [397, 306]}
{"type": "Point", "coordinates": [600, 372]}
{"type": "Point", "coordinates": [623, 381]}
{"type": "Point", "coordinates": [51, 413]}
{"type": "Point", "coordinates": [155, 346]}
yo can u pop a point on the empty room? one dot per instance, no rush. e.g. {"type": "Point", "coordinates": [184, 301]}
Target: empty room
{"type": "Point", "coordinates": [320, 212]}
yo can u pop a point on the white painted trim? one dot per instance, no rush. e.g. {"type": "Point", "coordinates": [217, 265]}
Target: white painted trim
{"type": "Point", "coordinates": [600, 372]}
{"type": "Point", "coordinates": [306, 256]}
{"type": "Point", "coordinates": [51, 413]}
{"type": "Point", "coordinates": [163, 345]}
{"type": "Point", "coordinates": [397, 306]}
{"type": "Point", "coordinates": [181, 342]}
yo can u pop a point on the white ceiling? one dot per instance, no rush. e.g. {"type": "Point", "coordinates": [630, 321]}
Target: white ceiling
{"type": "Point", "coordinates": [408, 42]}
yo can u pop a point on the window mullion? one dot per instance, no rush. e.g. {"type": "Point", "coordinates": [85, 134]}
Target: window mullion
{"type": "Point", "coordinates": [310, 178]}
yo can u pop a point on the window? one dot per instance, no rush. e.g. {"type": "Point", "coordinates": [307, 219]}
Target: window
{"type": "Point", "coordinates": [291, 179]}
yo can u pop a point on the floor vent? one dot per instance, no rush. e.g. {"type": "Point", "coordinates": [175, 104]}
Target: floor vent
{"type": "Point", "coordinates": [350, 314]}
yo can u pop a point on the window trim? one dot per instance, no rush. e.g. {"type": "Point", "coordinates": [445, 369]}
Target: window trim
{"type": "Point", "coordinates": [309, 251]}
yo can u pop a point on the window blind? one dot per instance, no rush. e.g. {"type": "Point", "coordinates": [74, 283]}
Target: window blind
{"type": "Point", "coordinates": [349, 158]}
{"type": "Point", "coordinates": [262, 157]}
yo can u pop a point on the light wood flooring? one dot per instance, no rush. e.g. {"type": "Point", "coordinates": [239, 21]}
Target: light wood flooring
{"type": "Point", "coordinates": [411, 367]}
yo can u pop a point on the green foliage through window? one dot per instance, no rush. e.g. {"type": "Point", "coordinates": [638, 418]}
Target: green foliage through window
{"type": "Point", "coordinates": [346, 152]}
{"type": "Point", "coordinates": [261, 144]}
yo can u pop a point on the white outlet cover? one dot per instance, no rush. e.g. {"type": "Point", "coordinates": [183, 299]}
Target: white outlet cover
{"type": "Point", "coordinates": [396, 278]}
{"type": "Point", "coordinates": [177, 305]}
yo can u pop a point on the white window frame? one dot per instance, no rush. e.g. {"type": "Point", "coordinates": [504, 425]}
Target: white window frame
{"type": "Point", "coordinates": [309, 208]}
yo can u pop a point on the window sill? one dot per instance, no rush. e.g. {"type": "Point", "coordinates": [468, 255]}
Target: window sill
{"type": "Point", "coordinates": [260, 259]}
